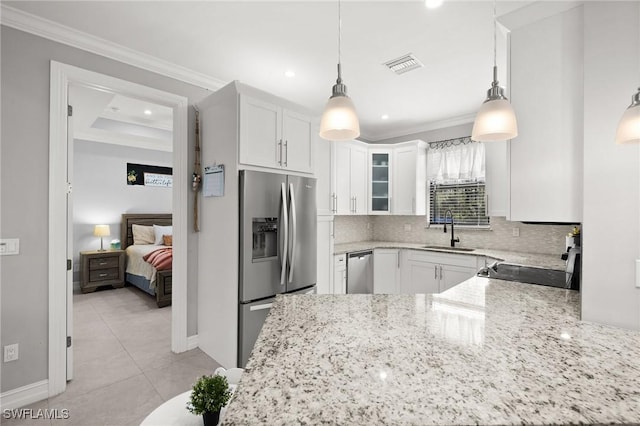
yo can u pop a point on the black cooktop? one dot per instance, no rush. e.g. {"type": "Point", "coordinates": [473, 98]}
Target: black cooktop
{"type": "Point", "coordinates": [528, 274]}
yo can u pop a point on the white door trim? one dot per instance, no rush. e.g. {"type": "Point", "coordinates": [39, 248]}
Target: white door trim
{"type": "Point", "coordinates": [61, 76]}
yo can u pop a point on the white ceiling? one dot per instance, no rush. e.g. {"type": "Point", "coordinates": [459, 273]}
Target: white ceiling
{"type": "Point", "coordinates": [256, 42]}
{"type": "Point", "coordinates": [101, 116]}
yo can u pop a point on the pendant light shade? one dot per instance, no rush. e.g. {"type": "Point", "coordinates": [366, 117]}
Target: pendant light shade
{"type": "Point", "coordinates": [629, 125]}
{"type": "Point", "coordinates": [496, 120]}
{"type": "Point", "coordinates": [339, 120]}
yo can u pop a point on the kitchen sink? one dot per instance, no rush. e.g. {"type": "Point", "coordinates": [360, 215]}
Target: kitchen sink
{"type": "Point", "coordinates": [448, 248]}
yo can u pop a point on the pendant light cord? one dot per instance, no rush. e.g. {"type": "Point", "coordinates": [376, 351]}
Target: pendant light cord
{"type": "Point", "coordinates": [339, 81]}
{"type": "Point", "coordinates": [339, 31]}
{"type": "Point", "coordinates": [495, 42]}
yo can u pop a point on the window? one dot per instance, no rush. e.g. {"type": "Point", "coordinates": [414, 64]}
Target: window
{"type": "Point", "coordinates": [456, 181]}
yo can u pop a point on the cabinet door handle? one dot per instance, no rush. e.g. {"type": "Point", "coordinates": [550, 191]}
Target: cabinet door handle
{"type": "Point", "coordinates": [355, 204]}
{"type": "Point", "coordinates": [286, 152]}
{"type": "Point", "coordinates": [398, 259]}
{"type": "Point", "coordinates": [102, 263]}
{"type": "Point", "coordinates": [441, 272]}
{"type": "Point", "coordinates": [435, 272]}
{"type": "Point", "coordinates": [103, 275]}
{"type": "Point", "coordinates": [279, 151]}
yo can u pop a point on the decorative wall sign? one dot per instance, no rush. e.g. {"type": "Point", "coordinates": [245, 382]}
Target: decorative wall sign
{"type": "Point", "coordinates": [142, 174]}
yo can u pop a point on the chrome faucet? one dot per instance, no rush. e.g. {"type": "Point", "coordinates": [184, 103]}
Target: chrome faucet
{"type": "Point", "coordinates": [453, 239]}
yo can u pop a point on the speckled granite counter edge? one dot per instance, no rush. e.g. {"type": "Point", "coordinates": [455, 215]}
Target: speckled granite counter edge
{"type": "Point", "coordinates": [519, 258]}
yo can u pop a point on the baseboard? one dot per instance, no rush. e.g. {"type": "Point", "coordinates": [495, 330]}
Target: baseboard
{"type": "Point", "coordinates": [24, 395]}
{"type": "Point", "coordinates": [192, 342]}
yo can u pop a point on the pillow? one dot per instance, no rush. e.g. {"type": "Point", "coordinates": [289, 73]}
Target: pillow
{"type": "Point", "coordinates": [167, 240]}
{"type": "Point", "coordinates": [143, 234]}
{"type": "Point", "coordinates": [160, 231]}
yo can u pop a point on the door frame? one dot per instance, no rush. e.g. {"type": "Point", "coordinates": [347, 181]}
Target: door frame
{"type": "Point", "coordinates": [61, 76]}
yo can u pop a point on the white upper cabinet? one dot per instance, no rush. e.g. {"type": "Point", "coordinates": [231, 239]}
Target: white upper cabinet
{"type": "Point", "coordinates": [324, 167]}
{"type": "Point", "coordinates": [409, 179]}
{"type": "Point", "coordinates": [350, 178]}
{"type": "Point", "coordinates": [260, 133]}
{"type": "Point", "coordinates": [496, 177]}
{"type": "Point", "coordinates": [298, 135]}
{"type": "Point", "coordinates": [546, 81]}
{"type": "Point", "coordinates": [342, 178]}
{"type": "Point", "coordinates": [359, 162]}
{"type": "Point", "coordinates": [380, 181]}
{"type": "Point", "coordinates": [275, 137]}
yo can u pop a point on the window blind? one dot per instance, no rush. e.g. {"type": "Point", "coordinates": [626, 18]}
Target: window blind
{"type": "Point", "coordinates": [466, 201]}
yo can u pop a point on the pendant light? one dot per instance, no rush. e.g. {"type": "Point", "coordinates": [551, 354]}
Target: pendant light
{"type": "Point", "coordinates": [496, 120]}
{"type": "Point", "coordinates": [629, 125]}
{"type": "Point", "coordinates": [339, 121]}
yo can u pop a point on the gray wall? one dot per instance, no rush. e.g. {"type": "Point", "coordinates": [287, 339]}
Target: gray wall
{"type": "Point", "coordinates": [24, 190]}
{"type": "Point", "coordinates": [101, 193]}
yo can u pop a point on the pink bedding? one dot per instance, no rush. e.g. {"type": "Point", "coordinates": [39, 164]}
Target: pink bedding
{"type": "Point", "coordinates": [160, 259]}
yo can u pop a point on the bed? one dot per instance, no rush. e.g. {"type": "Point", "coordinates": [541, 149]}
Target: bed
{"type": "Point", "coordinates": [139, 273]}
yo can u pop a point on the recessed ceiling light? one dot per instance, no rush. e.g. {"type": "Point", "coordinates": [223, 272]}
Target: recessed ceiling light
{"type": "Point", "coordinates": [147, 112]}
{"type": "Point", "coordinates": [433, 4]}
{"type": "Point", "coordinates": [385, 117]}
{"type": "Point", "coordinates": [289, 74]}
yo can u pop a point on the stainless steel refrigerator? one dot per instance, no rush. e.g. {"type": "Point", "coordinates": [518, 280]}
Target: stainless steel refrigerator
{"type": "Point", "coordinates": [277, 247]}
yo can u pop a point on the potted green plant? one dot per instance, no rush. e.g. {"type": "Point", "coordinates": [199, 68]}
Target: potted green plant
{"type": "Point", "coordinates": [209, 395]}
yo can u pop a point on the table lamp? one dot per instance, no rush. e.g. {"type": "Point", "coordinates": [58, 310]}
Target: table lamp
{"type": "Point", "coordinates": [101, 231]}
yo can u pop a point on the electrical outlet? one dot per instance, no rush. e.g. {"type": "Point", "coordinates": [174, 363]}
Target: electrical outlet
{"type": "Point", "coordinates": [407, 227]}
{"type": "Point", "coordinates": [515, 232]}
{"type": "Point", "coordinates": [11, 352]}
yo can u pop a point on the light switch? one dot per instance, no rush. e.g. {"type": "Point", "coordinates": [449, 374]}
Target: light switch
{"type": "Point", "coordinates": [9, 246]}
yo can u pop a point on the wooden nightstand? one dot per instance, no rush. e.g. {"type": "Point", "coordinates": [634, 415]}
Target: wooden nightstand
{"type": "Point", "coordinates": [100, 268]}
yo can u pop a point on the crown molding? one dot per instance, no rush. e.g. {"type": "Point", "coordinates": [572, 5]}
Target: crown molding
{"type": "Point", "coordinates": [23, 21]}
{"type": "Point", "coordinates": [426, 127]}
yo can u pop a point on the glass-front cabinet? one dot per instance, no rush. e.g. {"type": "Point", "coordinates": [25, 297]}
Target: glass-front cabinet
{"type": "Point", "coordinates": [380, 189]}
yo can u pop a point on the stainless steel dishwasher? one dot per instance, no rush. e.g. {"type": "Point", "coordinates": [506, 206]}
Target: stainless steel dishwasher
{"type": "Point", "coordinates": [360, 272]}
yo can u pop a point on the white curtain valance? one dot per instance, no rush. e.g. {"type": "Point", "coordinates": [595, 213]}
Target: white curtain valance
{"type": "Point", "coordinates": [456, 162]}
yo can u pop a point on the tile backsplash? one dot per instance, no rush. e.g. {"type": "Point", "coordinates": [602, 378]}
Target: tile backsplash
{"type": "Point", "coordinates": [544, 239]}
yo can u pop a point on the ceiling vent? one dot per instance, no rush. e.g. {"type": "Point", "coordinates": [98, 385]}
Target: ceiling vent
{"type": "Point", "coordinates": [404, 64]}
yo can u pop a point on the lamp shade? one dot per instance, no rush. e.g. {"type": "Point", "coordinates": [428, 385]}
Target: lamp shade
{"type": "Point", "coordinates": [629, 125]}
{"type": "Point", "coordinates": [101, 231]}
{"type": "Point", "coordinates": [339, 121]}
{"type": "Point", "coordinates": [495, 121]}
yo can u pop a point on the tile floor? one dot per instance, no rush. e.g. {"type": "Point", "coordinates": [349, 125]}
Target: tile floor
{"type": "Point", "coordinates": [123, 364]}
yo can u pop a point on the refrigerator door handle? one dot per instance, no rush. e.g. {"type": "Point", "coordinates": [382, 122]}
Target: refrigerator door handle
{"type": "Point", "coordinates": [284, 231]}
{"type": "Point", "coordinates": [292, 246]}
{"type": "Point", "coordinates": [261, 307]}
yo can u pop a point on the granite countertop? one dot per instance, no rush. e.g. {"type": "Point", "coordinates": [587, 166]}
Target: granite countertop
{"type": "Point", "coordinates": [518, 258]}
{"type": "Point", "coordinates": [484, 352]}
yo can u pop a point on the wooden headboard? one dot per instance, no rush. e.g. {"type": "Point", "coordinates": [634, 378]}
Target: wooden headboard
{"type": "Point", "coordinates": [149, 219]}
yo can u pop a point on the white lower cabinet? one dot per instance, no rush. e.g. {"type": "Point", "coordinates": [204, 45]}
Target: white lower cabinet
{"type": "Point", "coordinates": [386, 271]}
{"type": "Point", "coordinates": [339, 274]}
{"type": "Point", "coordinates": [419, 277]}
{"type": "Point", "coordinates": [432, 272]}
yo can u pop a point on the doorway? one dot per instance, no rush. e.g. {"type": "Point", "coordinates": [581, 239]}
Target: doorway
{"type": "Point", "coordinates": [60, 193]}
